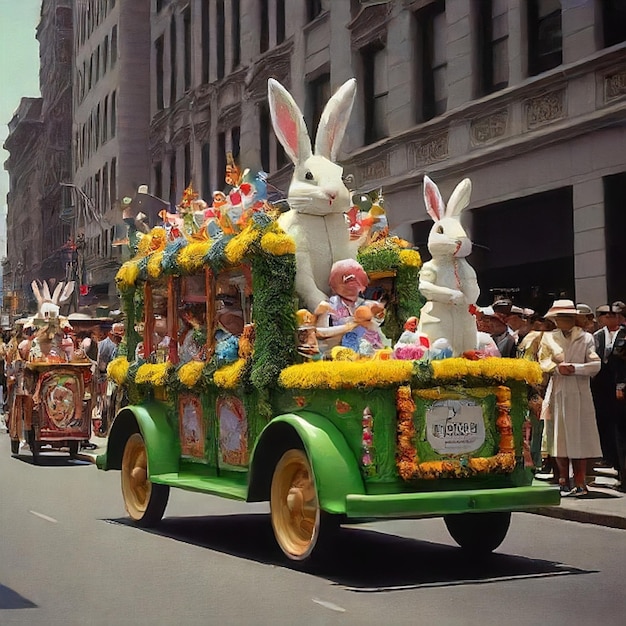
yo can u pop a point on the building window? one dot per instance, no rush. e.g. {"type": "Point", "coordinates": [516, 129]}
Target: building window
{"type": "Point", "coordinates": [114, 46]}
{"type": "Point", "coordinates": [614, 225]}
{"type": "Point", "coordinates": [173, 68]}
{"type": "Point", "coordinates": [98, 128]}
{"type": "Point", "coordinates": [221, 160]}
{"type": "Point", "coordinates": [265, 25]}
{"type": "Point", "coordinates": [431, 38]}
{"type": "Point", "coordinates": [105, 55]}
{"type": "Point", "coordinates": [492, 45]}
{"type": "Point", "coordinates": [187, 40]}
{"type": "Point", "coordinates": [613, 21]}
{"type": "Point", "coordinates": [206, 41]}
{"type": "Point", "coordinates": [545, 41]}
{"type": "Point", "coordinates": [318, 94]}
{"type": "Point", "coordinates": [375, 92]}
{"type": "Point", "coordinates": [97, 64]}
{"type": "Point", "coordinates": [113, 181]}
{"type": "Point", "coordinates": [187, 172]}
{"type": "Point", "coordinates": [105, 187]}
{"type": "Point", "coordinates": [90, 72]}
{"type": "Point", "coordinates": [313, 9]}
{"type": "Point", "coordinates": [158, 179]}
{"type": "Point", "coordinates": [280, 21]}
{"type": "Point", "coordinates": [221, 43]}
{"type": "Point", "coordinates": [159, 49]}
{"type": "Point", "coordinates": [105, 120]}
{"type": "Point", "coordinates": [207, 192]}
{"type": "Point", "coordinates": [172, 194]}
{"type": "Point", "coordinates": [160, 4]}
{"type": "Point", "coordinates": [235, 32]}
{"type": "Point", "coordinates": [113, 113]}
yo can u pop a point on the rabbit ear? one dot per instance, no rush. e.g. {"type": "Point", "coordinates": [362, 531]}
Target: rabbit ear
{"type": "Point", "coordinates": [460, 198]}
{"type": "Point", "coordinates": [334, 120]}
{"type": "Point", "coordinates": [57, 292]}
{"type": "Point", "coordinates": [35, 288]}
{"type": "Point", "coordinates": [288, 122]}
{"type": "Point", "coordinates": [433, 200]}
{"type": "Point", "coordinates": [67, 292]}
{"type": "Point", "coordinates": [46, 291]}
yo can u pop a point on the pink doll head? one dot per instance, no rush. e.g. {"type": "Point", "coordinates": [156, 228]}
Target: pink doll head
{"type": "Point", "coordinates": [348, 279]}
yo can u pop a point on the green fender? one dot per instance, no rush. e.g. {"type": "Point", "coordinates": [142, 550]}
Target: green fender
{"type": "Point", "coordinates": [161, 439]}
{"type": "Point", "coordinates": [335, 467]}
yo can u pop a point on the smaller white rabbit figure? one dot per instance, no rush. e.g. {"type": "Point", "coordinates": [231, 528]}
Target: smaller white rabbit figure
{"type": "Point", "coordinates": [317, 194]}
{"type": "Point", "coordinates": [448, 281]}
{"type": "Point", "coordinates": [48, 307]}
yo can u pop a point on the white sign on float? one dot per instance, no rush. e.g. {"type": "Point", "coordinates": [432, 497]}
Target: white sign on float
{"type": "Point", "coordinates": [455, 426]}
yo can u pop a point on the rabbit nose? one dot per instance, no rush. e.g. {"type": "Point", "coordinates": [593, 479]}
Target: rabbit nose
{"type": "Point", "coordinates": [332, 195]}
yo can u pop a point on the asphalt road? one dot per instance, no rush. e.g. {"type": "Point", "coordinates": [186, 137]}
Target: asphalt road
{"type": "Point", "coordinates": [69, 556]}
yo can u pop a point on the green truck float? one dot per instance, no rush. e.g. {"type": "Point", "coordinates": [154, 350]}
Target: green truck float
{"type": "Point", "coordinates": [229, 394]}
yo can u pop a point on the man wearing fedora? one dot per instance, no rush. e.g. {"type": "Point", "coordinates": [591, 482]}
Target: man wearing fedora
{"type": "Point", "coordinates": [107, 351]}
{"type": "Point", "coordinates": [568, 354]}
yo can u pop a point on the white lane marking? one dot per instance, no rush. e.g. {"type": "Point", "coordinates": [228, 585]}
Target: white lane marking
{"type": "Point", "coordinates": [329, 605]}
{"type": "Point", "coordinates": [46, 517]}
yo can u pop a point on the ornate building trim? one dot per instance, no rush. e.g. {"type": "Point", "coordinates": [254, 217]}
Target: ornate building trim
{"type": "Point", "coordinates": [370, 25]}
{"type": "Point", "coordinates": [544, 109]}
{"type": "Point", "coordinates": [489, 128]}
{"type": "Point", "coordinates": [614, 85]}
{"type": "Point", "coordinates": [432, 150]}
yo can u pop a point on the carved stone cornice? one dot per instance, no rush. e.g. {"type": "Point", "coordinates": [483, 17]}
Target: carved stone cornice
{"type": "Point", "coordinates": [369, 168]}
{"type": "Point", "coordinates": [229, 117]}
{"type": "Point", "coordinates": [614, 85]}
{"type": "Point", "coordinates": [489, 128]}
{"type": "Point", "coordinates": [276, 63]}
{"type": "Point", "coordinates": [431, 150]}
{"type": "Point", "coordinates": [370, 25]}
{"type": "Point", "coordinates": [544, 109]}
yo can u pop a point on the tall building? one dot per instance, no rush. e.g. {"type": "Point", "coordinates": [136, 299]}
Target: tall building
{"type": "Point", "coordinates": [525, 97]}
{"type": "Point", "coordinates": [39, 142]}
{"type": "Point", "coordinates": [111, 98]}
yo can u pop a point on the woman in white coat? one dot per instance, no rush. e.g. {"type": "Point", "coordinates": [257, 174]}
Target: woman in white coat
{"type": "Point", "coordinates": [568, 355]}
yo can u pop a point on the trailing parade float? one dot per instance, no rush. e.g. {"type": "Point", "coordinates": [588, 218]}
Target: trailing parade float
{"type": "Point", "coordinates": [308, 358]}
{"type": "Point", "coordinates": [50, 384]}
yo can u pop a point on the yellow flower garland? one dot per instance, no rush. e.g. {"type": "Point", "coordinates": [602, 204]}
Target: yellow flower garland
{"type": "Point", "coordinates": [155, 269]}
{"type": "Point", "coordinates": [238, 246]}
{"type": "Point", "coordinates": [153, 373]}
{"type": "Point", "coordinates": [189, 373]}
{"type": "Point", "coordinates": [493, 367]}
{"type": "Point", "coordinates": [117, 370]}
{"type": "Point", "coordinates": [127, 275]}
{"type": "Point", "coordinates": [407, 462]}
{"type": "Point", "coordinates": [191, 257]}
{"type": "Point", "coordinates": [278, 244]}
{"type": "Point", "coordinates": [345, 374]}
{"type": "Point", "coordinates": [228, 377]}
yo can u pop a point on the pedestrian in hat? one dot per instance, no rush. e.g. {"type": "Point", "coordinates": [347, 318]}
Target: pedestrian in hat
{"type": "Point", "coordinates": [603, 384]}
{"type": "Point", "coordinates": [107, 351]}
{"type": "Point", "coordinates": [568, 354]}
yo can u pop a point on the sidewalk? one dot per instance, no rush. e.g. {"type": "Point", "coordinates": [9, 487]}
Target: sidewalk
{"type": "Point", "coordinates": [604, 506]}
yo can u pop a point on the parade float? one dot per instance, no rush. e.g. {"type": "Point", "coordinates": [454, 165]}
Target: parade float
{"type": "Point", "coordinates": [307, 358]}
{"type": "Point", "coordinates": [49, 383]}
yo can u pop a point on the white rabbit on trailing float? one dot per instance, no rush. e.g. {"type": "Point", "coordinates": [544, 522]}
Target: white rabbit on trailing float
{"type": "Point", "coordinates": [318, 197]}
{"type": "Point", "coordinates": [448, 281]}
{"type": "Point", "coordinates": [49, 306]}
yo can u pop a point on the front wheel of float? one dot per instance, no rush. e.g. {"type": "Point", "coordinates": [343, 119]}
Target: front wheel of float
{"type": "Point", "coordinates": [302, 530]}
{"type": "Point", "coordinates": [145, 501]}
{"type": "Point", "coordinates": [479, 533]}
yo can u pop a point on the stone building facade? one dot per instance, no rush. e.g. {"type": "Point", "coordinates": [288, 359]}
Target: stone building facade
{"type": "Point", "coordinates": [525, 97]}
{"type": "Point", "coordinates": [111, 115]}
{"type": "Point", "coordinates": [39, 143]}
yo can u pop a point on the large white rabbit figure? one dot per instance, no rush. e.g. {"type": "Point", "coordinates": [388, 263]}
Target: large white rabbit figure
{"type": "Point", "coordinates": [317, 196]}
{"type": "Point", "coordinates": [448, 281]}
{"type": "Point", "coordinates": [48, 307]}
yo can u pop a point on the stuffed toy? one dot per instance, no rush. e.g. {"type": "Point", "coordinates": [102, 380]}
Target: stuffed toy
{"type": "Point", "coordinates": [317, 196]}
{"type": "Point", "coordinates": [447, 281]}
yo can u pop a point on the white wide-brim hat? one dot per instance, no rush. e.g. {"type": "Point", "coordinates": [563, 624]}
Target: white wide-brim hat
{"type": "Point", "coordinates": [562, 307]}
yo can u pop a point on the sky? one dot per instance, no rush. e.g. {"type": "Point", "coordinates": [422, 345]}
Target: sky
{"type": "Point", "coordinates": [19, 68]}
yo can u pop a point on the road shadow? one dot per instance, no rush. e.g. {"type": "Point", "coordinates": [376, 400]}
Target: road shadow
{"type": "Point", "coordinates": [10, 599]}
{"type": "Point", "coordinates": [51, 459]}
{"type": "Point", "coordinates": [362, 560]}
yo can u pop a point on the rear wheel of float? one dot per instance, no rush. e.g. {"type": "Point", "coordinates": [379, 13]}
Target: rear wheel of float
{"type": "Point", "coordinates": [145, 501]}
{"type": "Point", "coordinates": [479, 533]}
{"type": "Point", "coordinates": [300, 526]}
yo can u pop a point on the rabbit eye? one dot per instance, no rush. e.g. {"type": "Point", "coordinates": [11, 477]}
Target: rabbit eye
{"type": "Point", "coordinates": [440, 230]}
{"type": "Point", "coordinates": [309, 175]}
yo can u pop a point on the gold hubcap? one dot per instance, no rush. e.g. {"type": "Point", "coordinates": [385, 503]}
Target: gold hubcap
{"type": "Point", "coordinates": [294, 505]}
{"type": "Point", "coordinates": [136, 487]}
